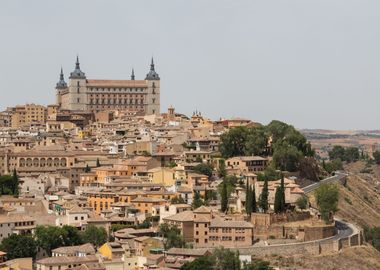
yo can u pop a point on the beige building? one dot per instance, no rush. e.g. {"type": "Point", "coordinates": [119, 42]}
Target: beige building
{"type": "Point", "coordinates": [16, 224]}
{"type": "Point", "coordinates": [27, 114]}
{"type": "Point", "coordinates": [82, 94]}
{"type": "Point", "coordinates": [245, 164]}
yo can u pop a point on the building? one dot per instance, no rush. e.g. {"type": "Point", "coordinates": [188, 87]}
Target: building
{"type": "Point", "coordinates": [82, 94]}
{"type": "Point", "coordinates": [27, 114]}
{"type": "Point", "coordinates": [16, 224]}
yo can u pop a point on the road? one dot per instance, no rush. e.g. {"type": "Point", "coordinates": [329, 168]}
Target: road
{"type": "Point", "coordinates": [337, 177]}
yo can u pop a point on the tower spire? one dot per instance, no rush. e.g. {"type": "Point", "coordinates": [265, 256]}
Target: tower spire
{"type": "Point", "coordinates": [61, 84]}
{"type": "Point", "coordinates": [77, 63]}
{"type": "Point", "coordinates": [133, 75]}
{"type": "Point", "coordinates": [152, 65]}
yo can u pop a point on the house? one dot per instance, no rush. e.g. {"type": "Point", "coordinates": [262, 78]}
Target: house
{"type": "Point", "coordinates": [72, 251]}
{"type": "Point", "coordinates": [245, 164]}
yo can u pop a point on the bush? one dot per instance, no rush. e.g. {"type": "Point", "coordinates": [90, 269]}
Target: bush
{"type": "Point", "coordinates": [302, 202]}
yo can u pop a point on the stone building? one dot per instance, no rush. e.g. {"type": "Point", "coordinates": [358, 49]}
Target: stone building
{"type": "Point", "coordinates": [26, 114]}
{"type": "Point", "coordinates": [82, 94]}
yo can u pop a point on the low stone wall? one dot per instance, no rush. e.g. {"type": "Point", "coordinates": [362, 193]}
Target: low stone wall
{"type": "Point", "coordinates": [312, 248]}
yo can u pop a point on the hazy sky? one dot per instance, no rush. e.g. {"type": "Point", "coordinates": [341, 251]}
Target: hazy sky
{"type": "Point", "coordinates": [314, 64]}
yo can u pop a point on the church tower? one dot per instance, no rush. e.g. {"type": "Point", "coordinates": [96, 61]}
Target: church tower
{"type": "Point", "coordinates": [77, 89]}
{"type": "Point", "coordinates": [153, 95]}
{"type": "Point", "coordinates": [60, 88]}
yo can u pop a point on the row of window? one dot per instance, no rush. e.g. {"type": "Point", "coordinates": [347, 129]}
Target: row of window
{"type": "Point", "coordinates": [116, 89]}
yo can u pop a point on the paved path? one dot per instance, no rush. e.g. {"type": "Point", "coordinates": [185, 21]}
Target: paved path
{"type": "Point", "coordinates": [337, 177]}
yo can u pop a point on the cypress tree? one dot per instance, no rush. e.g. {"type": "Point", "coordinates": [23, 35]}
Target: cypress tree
{"type": "Point", "coordinates": [278, 201]}
{"type": "Point", "coordinates": [248, 200]}
{"type": "Point", "coordinates": [283, 203]}
{"type": "Point", "coordinates": [263, 201]}
{"type": "Point", "coordinates": [15, 182]}
{"type": "Point", "coordinates": [97, 162]}
{"type": "Point", "coordinates": [253, 199]}
{"type": "Point", "coordinates": [224, 197]}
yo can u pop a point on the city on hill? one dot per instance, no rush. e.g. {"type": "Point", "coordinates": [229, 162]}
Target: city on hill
{"type": "Point", "coordinates": [106, 179]}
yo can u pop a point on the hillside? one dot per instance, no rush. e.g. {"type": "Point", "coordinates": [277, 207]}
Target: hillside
{"type": "Point", "coordinates": [364, 258]}
{"type": "Point", "coordinates": [360, 200]}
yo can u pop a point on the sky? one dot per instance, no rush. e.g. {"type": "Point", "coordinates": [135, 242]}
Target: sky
{"type": "Point", "coordinates": [312, 64]}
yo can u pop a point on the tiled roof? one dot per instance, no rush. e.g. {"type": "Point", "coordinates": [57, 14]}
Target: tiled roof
{"type": "Point", "coordinates": [182, 217]}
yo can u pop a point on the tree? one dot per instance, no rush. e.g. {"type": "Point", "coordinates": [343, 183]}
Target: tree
{"type": "Point", "coordinates": [337, 152]}
{"type": "Point", "coordinates": [232, 143]}
{"type": "Point", "coordinates": [197, 201]}
{"type": "Point", "coordinates": [270, 173]}
{"type": "Point", "coordinates": [263, 200]}
{"type": "Point", "coordinates": [257, 141]}
{"type": "Point", "coordinates": [224, 197]}
{"type": "Point", "coordinates": [172, 236]}
{"type": "Point", "coordinates": [94, 235]}
{"type": "Point", "coordinates": [203, 168]}
{"type": "Point", "coordinates": [286, 157]}
{"type": "Point", "coordinates": [333, 165]}
{"type": "Point", "coordinates": [71, 236]}
{"type": "Point", "coordinates": [226, 259]}
{"type": "Point", "coordinates": [301, 202]}
{"type": "Point", "coordinates": [177, 200]}
{"type": "Point", "coordinates": [200, 263]}
{"type": "Point", "coordinates": [309, 168]}
{"type": "Point", "coordinates": [97, 162]}
{"type": "Point", "coordinates": [19, 246]}
{"type": "Point", "coordinates": [222, 168]}
{"type": "Point", "coordinates": [248, 199]}
{"type": "Point", "coordinates": [15, 182]}
{"type": "Point", "coordinates": [372, 236]}
{"type": "Point", "coordinates": [327, 196]}
{"type": "Point", "coordinates": [278, 200]}
{"type": "Point", "coordinates": [376, 156]}
{"type": "Point", "coordinates": [352, 154]}
{"type": "Point", "coordinates": [49, 237]}
{"type": "Point", "coordinates": [87, 169]}
{"type": "Point", "coordinates": [257, 265]}
{"type": "Point", "coordinates": [253, 200]}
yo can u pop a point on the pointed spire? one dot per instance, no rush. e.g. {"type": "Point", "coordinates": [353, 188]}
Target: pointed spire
{"type": "Point", "coordinates": [152, 65]}
{"type": "Point", "coordinates": [61, 75]}
{"type": "Point", "coordinates": [61, 84]}
{"type": "Point", "coordinates": [77, 63]}
{"type": "Point", "coordinates": [133, 75]}
{"type": "Point", "coordinates": [77, 73]}
{"type": "Point", "coordinates": [152, 75]}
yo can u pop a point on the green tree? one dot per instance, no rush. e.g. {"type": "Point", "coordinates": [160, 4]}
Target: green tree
{"type": "Point", "coordinates": [286, 157]}
{"type": "Point", "coordinates": [200, 263]}
{"type": "Point", "coordinates": [253, 200]}
{"type": "Point", "coordinates": [15, 182]}
{"type": "Point", "coordinates": [257, 265]}
{"type": "Point", "coordinates": [172, 236]}
{"type": "Point", "coordinates": [19, 246]}
{"type": "Point", "coordinates": [226, 259]}
{"type": "Point", "coordinates": [333, 165]}
{"type": "Point", "coordinates": [177, 200]}
{"type": "Point", "coordinates": [376, 156]}
{"type": "Point", "coordinates": [327, 196]}
{"type": "Point", "coordinates": [352, 154]}
{"type": "Point", "coordinates": [301, 202]}
{"type": "Point", "coordinates": [98, 163]}
{"type": "Point", "coordinates": [263, 200]}
{"type": "Point", "coordinates": [337, 152]}
{"type": "Point", "coordinates": [233, 142]}
{"type": "Point", "coordinates": [224, 197]}
{"type": "Point", "coordinates": [372, 236]}
{"type": "Point", "coordinates": [248, 199]}
{"type": "Point", "coordinates": [171, 164]}
{"type": "Point", "coordinates": [203, 168]}
{"type": "Point", "coordinates": [256, 141]}
{"type": "Point", "coordinates": [270, 173]}
{"type": "Point", "coordinates": [222, 168]}
{"type": "Point", "coordinates": [71, 236]}
{"type": "Point", "coordinates": [87, 169]}
{"type": "Point", "coordinates": [197, 200]}
{"type": "Point", "coordinates": [94, 235]}
{"type": "Point", "coordinates": [49, 237]}
{"type": "Point", "coordinates": [278, 201]}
